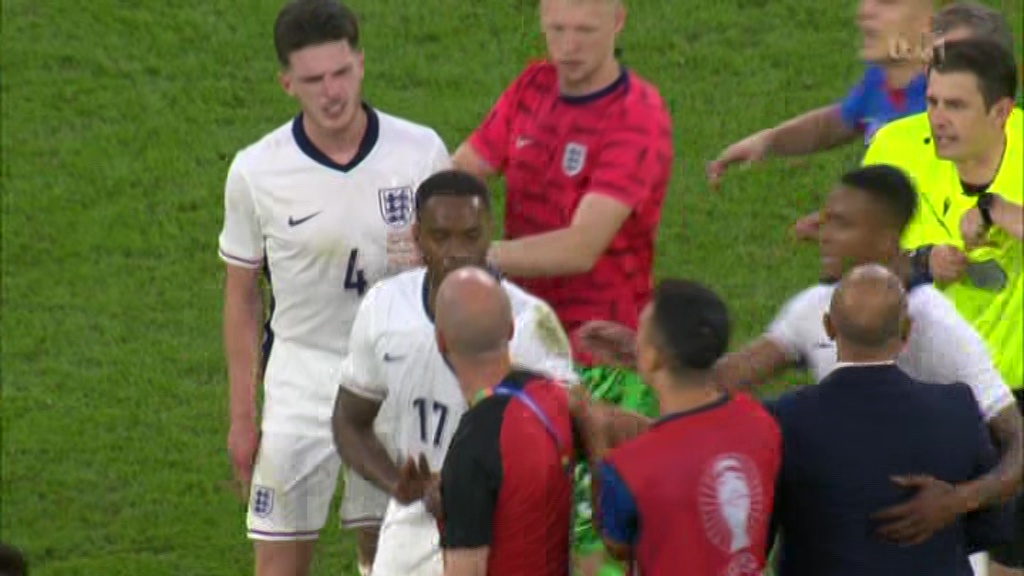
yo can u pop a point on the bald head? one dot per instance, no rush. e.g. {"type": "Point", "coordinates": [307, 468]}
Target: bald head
{"type": "Point", "coordinates": [868, 307]}
{"type": "Point", "coordinates": [473, 314]}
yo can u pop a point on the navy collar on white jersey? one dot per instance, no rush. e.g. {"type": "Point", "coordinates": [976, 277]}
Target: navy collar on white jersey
{"type": "Point", "coordinates": [365, 145]}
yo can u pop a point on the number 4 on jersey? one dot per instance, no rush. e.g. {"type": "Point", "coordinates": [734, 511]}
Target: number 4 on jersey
{"type": "Point", "coordinates": [354, 278]}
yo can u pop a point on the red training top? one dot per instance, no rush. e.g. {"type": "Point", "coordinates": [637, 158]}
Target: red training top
{"type": "Point", "coordinates": [555, 149]}
{"type": "Point", "coordinates": [506, 481]}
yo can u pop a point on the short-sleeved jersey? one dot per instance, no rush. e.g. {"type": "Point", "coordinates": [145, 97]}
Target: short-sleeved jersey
{"type": "Point", "coordinates": [554, 150]}
{"type": "Point", "coordinates": [506, 483]}
{"type": "Point", "coordinates": [995, 313]}
{"type": "Point", "coordinates": [393, 359]}
{"type": "Point", "coordinates": [694, 495]}
{"type": "Point", "coordinates": [872, 103]}
{"type": "Point", "coordinates": [942, 347]}
{"type": "Point", "coordinates": [325, 231]}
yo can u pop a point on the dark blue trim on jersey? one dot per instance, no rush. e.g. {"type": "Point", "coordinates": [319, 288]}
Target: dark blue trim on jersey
{"type": "Point", "coordinates": [366, 145]}
{"type": "Point", "coordinates": [621, 82]}
{"type": "Point", "coordinates": [425, 296]}
{"type": "Point", "coordinates": [718, 403]}
{"type": "Point", "coordinates": [268, 332]}
{"type": "Point", "coordinates": [617, 507]}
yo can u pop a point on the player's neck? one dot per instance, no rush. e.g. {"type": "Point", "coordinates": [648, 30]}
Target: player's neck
{"type": "Point", "coordinates": [853, 354]}
{"type": "Point", "coordinates": [681, 394]}
{"type": "Point", "coordinates": [899, 75]}
{"type": "Point", "coordinates": [338, 145]}
{"type": "Point", "coordinates": [480, 374]}
{"type": "Point", "coordinates": [982, 169]}
{"type": "Point", "coordinates": [604, 77]}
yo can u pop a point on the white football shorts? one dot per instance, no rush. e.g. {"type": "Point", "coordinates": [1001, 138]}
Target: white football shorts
{"type": "Point", "coordinates": [409, 544]}
{"type": "Point", "coordinates": [297, 467]}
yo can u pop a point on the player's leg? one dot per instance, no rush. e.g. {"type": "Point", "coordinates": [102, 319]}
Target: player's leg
{"type": "Point", "coordinates": [362, 509]}
{"type": "Point", "coordinates": [293, 482]}
{"type": "Point", "coordinates": [624, 389]}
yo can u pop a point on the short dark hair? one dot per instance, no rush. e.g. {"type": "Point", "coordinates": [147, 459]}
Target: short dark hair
{"type": "Point", "coordinates": [982, 21]}
{"type": "Point", "coordinates": [987, 60]}
{"type": "Point", "coordinates": [12, 562]}
{"type": "Point", "coordinates": [890, 187]}
{"type": "Point", "coordinates": [452, 183]}
{"type": "Point", "coordinates": [304, 23]}
{"type": "Point", "coordinates": [691, 324]}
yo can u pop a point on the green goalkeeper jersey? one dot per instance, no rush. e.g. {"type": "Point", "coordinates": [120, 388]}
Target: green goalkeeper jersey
{"type": "Point", "coordinates": [624, 389]}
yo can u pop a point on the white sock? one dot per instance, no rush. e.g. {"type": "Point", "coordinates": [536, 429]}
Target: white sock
{"type": "Point", "coordinates": [364, 570]}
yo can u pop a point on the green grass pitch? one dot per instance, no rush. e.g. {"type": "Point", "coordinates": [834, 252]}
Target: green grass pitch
{"type": "Point", "coordinates": [119, 121]}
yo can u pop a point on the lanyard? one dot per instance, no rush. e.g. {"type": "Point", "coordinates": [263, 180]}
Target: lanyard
{"type": "Point", "coordinates": [505, 390]}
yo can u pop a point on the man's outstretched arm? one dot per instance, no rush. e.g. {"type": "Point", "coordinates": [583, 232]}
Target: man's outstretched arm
{"type": "Point", "coordinates": [755, 364]}
{"type": "Point", "coordinates": [357, 443]}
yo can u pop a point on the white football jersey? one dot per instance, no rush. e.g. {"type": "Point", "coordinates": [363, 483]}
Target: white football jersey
{"type": "Point", "coordinates": [326, 232]}
{"type": "Point", "coordinates": [942, 347]}
{"type": "Point", "coordinates": [394, 359]}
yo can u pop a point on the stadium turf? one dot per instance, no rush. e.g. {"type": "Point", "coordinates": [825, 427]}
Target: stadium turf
{"type": "Point", "coordinates": [119, 120]}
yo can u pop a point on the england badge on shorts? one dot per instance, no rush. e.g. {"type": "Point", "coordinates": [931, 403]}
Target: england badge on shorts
{"type": "Point", "coordinates": [396, 206]}
{"type": "Point", "coordinates": [574, 159]}
{"type": "Point", "coordinates": [262, 501]}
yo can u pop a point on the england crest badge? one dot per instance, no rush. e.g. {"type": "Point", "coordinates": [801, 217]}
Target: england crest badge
{"type": "Point", "coordinates": [574, 159]}
{"type": "Point", "coordinates": [396, 206]}
{"type": "Point", "coordinates": [262, 501]}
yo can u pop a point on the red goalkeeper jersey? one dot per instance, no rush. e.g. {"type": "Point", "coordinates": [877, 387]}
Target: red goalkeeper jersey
{"type": "Point", "coordinates": [555, 149]}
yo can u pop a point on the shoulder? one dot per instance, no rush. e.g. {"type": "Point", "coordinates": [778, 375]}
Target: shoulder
{"type": "Point", "coordinates": [810, 300]}
{"type": "Point", "coordinates": [643, 105]}
{"type": "Point", "coordinates": [540, 76]}
{"type": "Point", "coordinates": [405, 286]}
{"type": "Point", "coordinates": [929, 307]}
{"type": "Point", "coordinates": [953, 398]}
{"type": "Point", "coordinates": [913, 130]}
{"type": "Point", "coordinates": [792, 402]}
{"type": "Point", "coordinates": [531, 313]}
{"type": "Point", "coordinates": [397, 131]}
{"type": "Point", "coordinates": [267, 150]}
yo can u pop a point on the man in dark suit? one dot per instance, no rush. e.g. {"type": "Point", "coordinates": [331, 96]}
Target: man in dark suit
{"type": "Point", "coordinates": [864, 425]}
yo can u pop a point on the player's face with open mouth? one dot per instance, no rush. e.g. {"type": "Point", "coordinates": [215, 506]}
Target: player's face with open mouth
{"type": "Point", "coordinates": [453, 231]}
{"type": "Point", "coordinates": [327, 81]}
{"type": "Point", "coordinates": [850, 233]}
{"type": "Point", "coordinates": [963, 127]}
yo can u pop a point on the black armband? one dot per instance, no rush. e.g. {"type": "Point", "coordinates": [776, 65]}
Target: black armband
{"type": "Point", "coordinates": [920, 262]}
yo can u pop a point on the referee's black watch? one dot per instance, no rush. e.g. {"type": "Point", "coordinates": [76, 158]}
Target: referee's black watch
{"type": "Point", "coordinates": [985, 200]}
{"type": "Point", "coordinates": [921, 263]}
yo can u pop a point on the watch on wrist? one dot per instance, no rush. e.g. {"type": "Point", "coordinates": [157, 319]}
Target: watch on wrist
{"type": "Point", "coordinates": [920, 261]}
{"type": "Point", "coordinates": [985, 201]}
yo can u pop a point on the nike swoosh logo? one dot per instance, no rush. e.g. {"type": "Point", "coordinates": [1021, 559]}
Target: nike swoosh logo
{"type": "Point", "coordinates": [293, 221]}
{"type": "Point", "coordinates": [390, 358]}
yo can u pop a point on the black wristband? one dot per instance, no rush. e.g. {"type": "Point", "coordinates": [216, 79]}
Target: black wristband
{"type": "Point", "coordinates": [985, 201]}
{"type": "Point", "coordinates": [920, 262]}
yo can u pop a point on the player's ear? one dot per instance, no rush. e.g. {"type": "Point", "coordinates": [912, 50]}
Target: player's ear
{"type": "Point", "coordinates": [285, 78]}
{"type": "Point", "coordinates": [442, 346]}
{"type": "Point", "coordinates": [830, 330]}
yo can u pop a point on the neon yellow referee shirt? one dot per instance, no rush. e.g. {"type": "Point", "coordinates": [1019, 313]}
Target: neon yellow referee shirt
{"type": "Point", "coordinates": [997, 315]}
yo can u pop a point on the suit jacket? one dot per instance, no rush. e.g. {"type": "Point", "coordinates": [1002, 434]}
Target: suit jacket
{"type": "Point", "coordinates": [844, 439]}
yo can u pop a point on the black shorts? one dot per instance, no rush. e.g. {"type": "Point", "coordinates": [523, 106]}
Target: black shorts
{"type": "Point", "coordinates": [1012, 555]}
